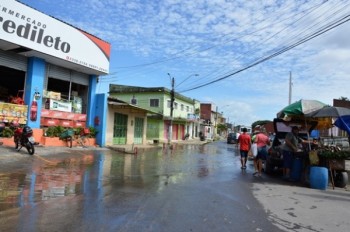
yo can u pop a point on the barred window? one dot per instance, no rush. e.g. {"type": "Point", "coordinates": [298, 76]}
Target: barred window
{"type": "Point", "coordinates": [154, 102]}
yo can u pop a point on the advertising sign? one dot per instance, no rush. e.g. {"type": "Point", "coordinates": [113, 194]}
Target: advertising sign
{"type": "Point", "coordinates": [25, 26]}
{"type": "Point", "coordinates": [13, 113]}
{"type": "Point", "coordinates": [62, 115]}
{"type": "Point", "coordinates": [60, 105]}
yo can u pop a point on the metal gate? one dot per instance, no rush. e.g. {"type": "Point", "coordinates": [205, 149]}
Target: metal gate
{"type": "Point", "coordinates": [138, 131]}
{"type": "Point", "coordinates": [120, 128]}
{"type": "Point", "coordinates": [65, 74]}
{"type": "Point", "coordinates": [13, 60]}
{"type": "Point", "coordinates": [152, 129]}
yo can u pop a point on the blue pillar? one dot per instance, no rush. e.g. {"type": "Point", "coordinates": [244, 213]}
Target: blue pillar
{"type": "Point", "coordinates": [101, 111]}
{"type": "Point", "coordinates": [34, 83]}
{"type": "Point", "coordinates": [91, 100]}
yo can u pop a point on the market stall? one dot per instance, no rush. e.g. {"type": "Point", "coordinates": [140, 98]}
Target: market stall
{"type": "Point", "coordinates": [332, 156]}
{"type": "Point", "coordinates": [328, 160]}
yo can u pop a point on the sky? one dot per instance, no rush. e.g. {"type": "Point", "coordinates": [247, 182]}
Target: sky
{"type": "Point", "coordinates": [239, 55]}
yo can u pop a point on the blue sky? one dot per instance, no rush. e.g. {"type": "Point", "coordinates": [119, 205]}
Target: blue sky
{"type": "Point", "coordinates": [216, 39]}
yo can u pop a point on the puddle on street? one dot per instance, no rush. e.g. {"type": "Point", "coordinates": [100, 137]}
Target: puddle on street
{"type": "Point", "coordinates": [97, 173]}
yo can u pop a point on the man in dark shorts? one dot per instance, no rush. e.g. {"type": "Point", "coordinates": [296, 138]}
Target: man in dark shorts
{"type": "Point", "coordinates": [244, 141]}
{"type": "Point", "coordinates": [289, 147]}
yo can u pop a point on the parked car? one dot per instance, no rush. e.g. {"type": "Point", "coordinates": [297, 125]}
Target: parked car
{"type": "Point", "coordinates": [274, 159]}
{"type": "Point", "coordinates": [231, 138]}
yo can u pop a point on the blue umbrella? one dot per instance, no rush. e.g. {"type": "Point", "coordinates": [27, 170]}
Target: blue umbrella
{"type": "Point", "coordinates": [343, 122]}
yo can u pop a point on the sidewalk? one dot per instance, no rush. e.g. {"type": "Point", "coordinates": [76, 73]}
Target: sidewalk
{"type": "Point", "coordinates": [9, 151]}
{"type": "Point", "coordinates": [135, 148]}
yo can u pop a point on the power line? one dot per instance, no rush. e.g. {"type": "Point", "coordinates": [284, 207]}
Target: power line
{"type": "Point", "coordinates": [283, 50]}
{"type": "Point", "coordinates": [307, 12]}
{"type": "Point", "coordinates": [182, 53]}
{"type": "Point", "coordinates": [292, 35]}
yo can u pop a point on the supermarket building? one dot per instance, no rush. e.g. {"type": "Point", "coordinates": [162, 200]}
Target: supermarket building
{"type": "Point", "coordinates": [49, 71]}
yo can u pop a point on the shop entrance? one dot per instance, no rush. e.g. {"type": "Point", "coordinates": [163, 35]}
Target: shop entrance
{"type": "Point", "coordinates": [12, 105]}
{"type": "Point", "coordinates": [13, 85]}
{"type": "Point", "coordinates": [70, 92]}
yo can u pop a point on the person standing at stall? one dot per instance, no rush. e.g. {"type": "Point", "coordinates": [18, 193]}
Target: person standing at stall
{"type": "Point", "coordinates": [288, 148]}
{"type": "Point", "coordinates": [244, 141]}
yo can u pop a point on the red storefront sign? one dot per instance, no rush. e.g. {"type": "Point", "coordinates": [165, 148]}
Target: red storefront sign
{"type": "Point", "coordinates": [62, 115]}
{"type": "Point", "coordinates": [59, 118]}
{"type": "Point", "coordinates": [66, 123]}
{"type": "Point", "coordinates": [49, 122]}
{"type": "Point", "coordinates": [79, 124]}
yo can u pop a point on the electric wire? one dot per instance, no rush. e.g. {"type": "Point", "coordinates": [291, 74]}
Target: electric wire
{"type": "Point", "coordinates": [214, 77]}
{"type": "Point", "coordinates": [291, 42]}
{"type": "Point", "coordinates": [283, 50]}
{"type": "Point", "coordinates": [176, 56]}
{"type": "Point", "coordinates": [310, 10]}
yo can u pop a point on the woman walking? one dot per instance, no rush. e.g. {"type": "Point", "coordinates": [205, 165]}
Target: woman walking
{"type": "Point", "coordinates": [262, 141]}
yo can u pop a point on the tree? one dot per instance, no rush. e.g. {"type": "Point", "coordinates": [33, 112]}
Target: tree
{"type": "Point", "coordinates": [344, 98]}
{"type": "Point", "coordinates": [221, 127]}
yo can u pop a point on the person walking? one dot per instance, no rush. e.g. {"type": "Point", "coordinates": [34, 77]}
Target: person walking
{"type": "Point", "coordinates": [288, 148]}
{"type": "Point", "coordinates": [262, 141]}
{"type": "Point", "coordinates": [244, 141]}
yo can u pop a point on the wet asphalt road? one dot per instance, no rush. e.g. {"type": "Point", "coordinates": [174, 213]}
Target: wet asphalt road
{"type": "Point", "coordinates": [190, 188]}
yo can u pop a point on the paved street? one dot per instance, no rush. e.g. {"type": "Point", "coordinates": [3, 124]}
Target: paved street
{"type": "Point", "coordinates": [191, 188]}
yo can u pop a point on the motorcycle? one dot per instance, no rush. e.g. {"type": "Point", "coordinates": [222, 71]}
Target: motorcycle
{"type": "Point", "coordinates": [23, 137]}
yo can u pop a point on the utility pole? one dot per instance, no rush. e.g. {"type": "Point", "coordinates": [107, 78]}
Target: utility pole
{"type": "Point", "coordinates": [290, 88]}
{"type": "Point", "coordinates": [172, 99]}
{"type": "Point", "coordinates": [216, 122]}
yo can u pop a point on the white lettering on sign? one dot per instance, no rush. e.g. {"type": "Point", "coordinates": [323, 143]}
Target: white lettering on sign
{"type": "Point", "coordinates": [32, 32]}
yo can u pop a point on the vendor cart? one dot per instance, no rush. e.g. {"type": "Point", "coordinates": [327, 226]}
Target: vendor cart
{"type": "Point", "coordinates": [339, 176]}
{"type": "Point", "coordinates": [335, 162]}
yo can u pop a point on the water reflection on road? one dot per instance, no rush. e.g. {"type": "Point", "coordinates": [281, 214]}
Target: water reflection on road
{"type": "Point", "coordinates": [90, 190]}
{"type": "Point", "coordinates": [95, 173]}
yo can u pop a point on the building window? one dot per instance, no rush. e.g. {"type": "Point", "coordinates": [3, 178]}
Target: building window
{"type": "Point", "coordinates": [154, 102]}
{"type": "Point", "coordinates": [168, 103]}
{"type": "Point", "coordinates": [187, 108]}
{"type": "Point", "coordinates": [182, 107]}
{"type": "Point", "coordinates": [175, 105]}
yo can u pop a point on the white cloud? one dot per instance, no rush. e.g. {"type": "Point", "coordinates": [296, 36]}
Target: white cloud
{"type": "Point", "coordinates": [218, 37]}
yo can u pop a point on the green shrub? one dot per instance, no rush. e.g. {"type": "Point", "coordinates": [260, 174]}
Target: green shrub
{"type": "Point", "coordinates": [54, 131]}
{"type": "Point", "coordinates": [58, 131]}
{"type": "Point", "coordinates": [93, 132]}
{"type": "Point", "coordinates": [50, 131]}
{"type": "Point", "coordinates": [7, 132]}
{"type": "Point", "coordinates": [78, 130]}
